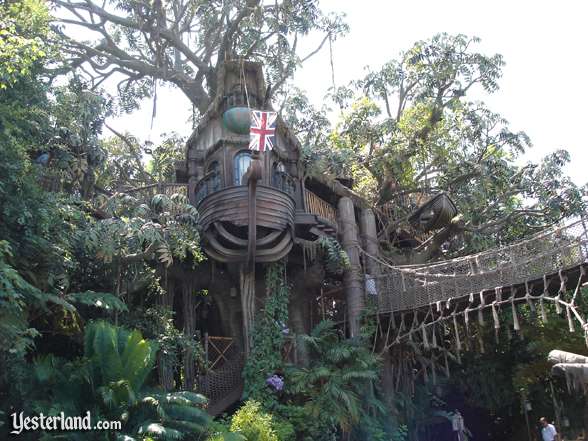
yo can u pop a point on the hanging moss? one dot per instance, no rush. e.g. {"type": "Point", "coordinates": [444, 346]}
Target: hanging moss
{"type": "Point", "coordinates": [269, 336]}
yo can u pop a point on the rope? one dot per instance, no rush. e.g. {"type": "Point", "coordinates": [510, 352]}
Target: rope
{"type": "Point", "coordinates": [418, 286]}
{"type": "Point", "coordinates": [244, 82]}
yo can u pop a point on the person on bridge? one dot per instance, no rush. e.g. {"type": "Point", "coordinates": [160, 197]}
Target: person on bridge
{"type": "Point", "coordinates": [548, 431]}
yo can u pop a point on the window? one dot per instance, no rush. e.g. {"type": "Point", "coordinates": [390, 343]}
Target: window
{"type": "Point", "coordinates": [241, 162]}
{"type": "Point", "coordinates": [210, 183]}
{"type": "Point", "coordinates": [214, 177]}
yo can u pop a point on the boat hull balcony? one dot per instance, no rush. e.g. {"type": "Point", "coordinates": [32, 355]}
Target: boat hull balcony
{"type": "Point", "coordinates": [224, 219]}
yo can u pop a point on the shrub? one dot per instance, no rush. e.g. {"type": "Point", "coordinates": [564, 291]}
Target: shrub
{"type": "Point", "coordinates": [253, 423]}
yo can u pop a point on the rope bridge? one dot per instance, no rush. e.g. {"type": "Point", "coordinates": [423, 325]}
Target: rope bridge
{"type": "Point", "coordinates": [548, 267]}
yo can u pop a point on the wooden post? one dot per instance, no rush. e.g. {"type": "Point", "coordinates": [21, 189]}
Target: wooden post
{"type": "Point", "coordinates": [352, 278]}
{"type": "Point", "coordinates": [369, 237]}
{"type": "Point", "coordinates": [248, 306]}
{"type": "Point", "coordinates": [254, 174]}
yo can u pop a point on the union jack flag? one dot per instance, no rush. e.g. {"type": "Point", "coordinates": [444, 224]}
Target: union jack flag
{"type": "Point", "coordinates": [262, 131]}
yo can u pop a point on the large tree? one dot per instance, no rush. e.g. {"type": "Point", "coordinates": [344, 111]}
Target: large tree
{"type": "Point", "coordinates": [184, 42]}
{"type": "Point", "coordinates": [412, 128]}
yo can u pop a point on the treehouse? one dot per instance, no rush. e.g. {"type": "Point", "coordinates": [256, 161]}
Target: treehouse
{"type": "Point", "coordinates": [280, 208]}
{"type": "Point", "coordinates": [255, 208]}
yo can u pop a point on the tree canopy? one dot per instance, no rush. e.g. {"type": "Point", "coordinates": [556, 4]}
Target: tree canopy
{"type": "Point", "coordinates": [185, 42]}
{"type": "Point", "coordinates": [411, 129]}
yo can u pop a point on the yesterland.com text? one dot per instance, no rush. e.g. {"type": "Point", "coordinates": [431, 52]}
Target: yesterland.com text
{"type": "Point", "coordinates": [61, 422]}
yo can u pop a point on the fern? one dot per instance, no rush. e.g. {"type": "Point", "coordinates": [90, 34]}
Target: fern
{"type": "Point", "coordinates": [336, 259]}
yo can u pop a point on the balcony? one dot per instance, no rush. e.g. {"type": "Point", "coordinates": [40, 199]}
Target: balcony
{"type": "Point", "coordinates": [224, 219]}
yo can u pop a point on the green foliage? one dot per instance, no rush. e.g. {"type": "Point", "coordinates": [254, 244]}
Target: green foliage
{"type": "Point", "coordinates": [24, 26]}
{"type": "Point", "coordinates": [102, 300]}
{"type": "Point", "coordinates": [336, 259]}
{"type": "Point", "coordinates": [110, 380]}
{"type": "Point", "coordinates": [15, 335]}
{"type": "Point", "coordinates": [339, 384]}
{"type": "Point", "coordinates": [157, 323]}
{"type": "Point", "coordinates": [410, 128]}
{"type": "Point", "coordinates": [268, 339]}
{"type": "Point", "coordinates": [135, 231]}
{"type": "Point", "coordinates": [125, 166]}
{"type": "Point", "coordinates": [253, 423]}
{"type": "Point", "coordinates": [74, 149]}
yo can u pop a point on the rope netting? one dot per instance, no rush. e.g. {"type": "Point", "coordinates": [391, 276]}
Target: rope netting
{"type": "Point", "coordinates": [441, 309]}
{"type": "Point", "coordinates": [409, 287]}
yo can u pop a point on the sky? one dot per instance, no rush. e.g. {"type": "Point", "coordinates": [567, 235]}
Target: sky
{"type": "Point", "coordinates": [543, 91]}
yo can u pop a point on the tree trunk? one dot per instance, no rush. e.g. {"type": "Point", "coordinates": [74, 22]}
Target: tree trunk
{"type": "Point", "coordinates": [247, 286]}
{"type": "Point", "coordinates": [189, 331]}
{"type": "Point", "coordinates": [352, 278]}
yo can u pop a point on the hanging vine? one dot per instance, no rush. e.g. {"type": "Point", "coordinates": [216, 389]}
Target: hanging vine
{"type": "Point", "coordinates": [265, 364]}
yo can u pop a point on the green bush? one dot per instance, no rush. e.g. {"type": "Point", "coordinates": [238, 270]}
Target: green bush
{"type": "Point", "coordinates": [253, 423]}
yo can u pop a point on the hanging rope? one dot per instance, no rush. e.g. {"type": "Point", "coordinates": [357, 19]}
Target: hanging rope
{"type": "Point", "coordinates": [243, 81]}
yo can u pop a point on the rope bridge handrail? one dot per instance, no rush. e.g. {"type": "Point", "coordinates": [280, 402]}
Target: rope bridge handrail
{"type": "Point", "coordinates": [402, 288]}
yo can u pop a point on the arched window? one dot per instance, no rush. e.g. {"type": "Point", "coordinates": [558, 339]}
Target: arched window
{"type": "Point", "coordinates": [241, 164]}
{"type": "Point", "coordinates": [214, 177]}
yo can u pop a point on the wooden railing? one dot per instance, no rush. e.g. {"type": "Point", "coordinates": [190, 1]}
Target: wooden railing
{"type": "Point", "coordinates": [217, 350]}
{"type": "Point", "coordinates": [320, 207]}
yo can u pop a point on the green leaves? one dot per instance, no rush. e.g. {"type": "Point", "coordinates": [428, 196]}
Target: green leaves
{"type": "Point", "coordinates": [23, 31]}
{"type": "Point", "coordinates": [120, 360]}
{"type": "Point", "coordinates": [163, 229]}
{"type": "Point", "coordinates": [409, 131]}
{"type": "Point", "coordinates": [337, 379]}
{"type": "Point", "coordinates": [253, 423]}
{"type": "Point", "coordinates": [268, 338]}
{"type": "Point", "coordinates": [102, 300]}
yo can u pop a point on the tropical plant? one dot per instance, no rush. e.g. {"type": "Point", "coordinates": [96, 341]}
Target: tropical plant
{"type": "Point", "coordinates": [130, 164]}
{"type": "Point", "coordinates": [335, 258]}
{"type": "Point", "coordinates": [110, 380]}
{"type": "Point", "coordinates": [268, 340]}
{"type": "Point", "coordinates": [253, 423]}
{"type": "Point", "coordinates": [339, 382]}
